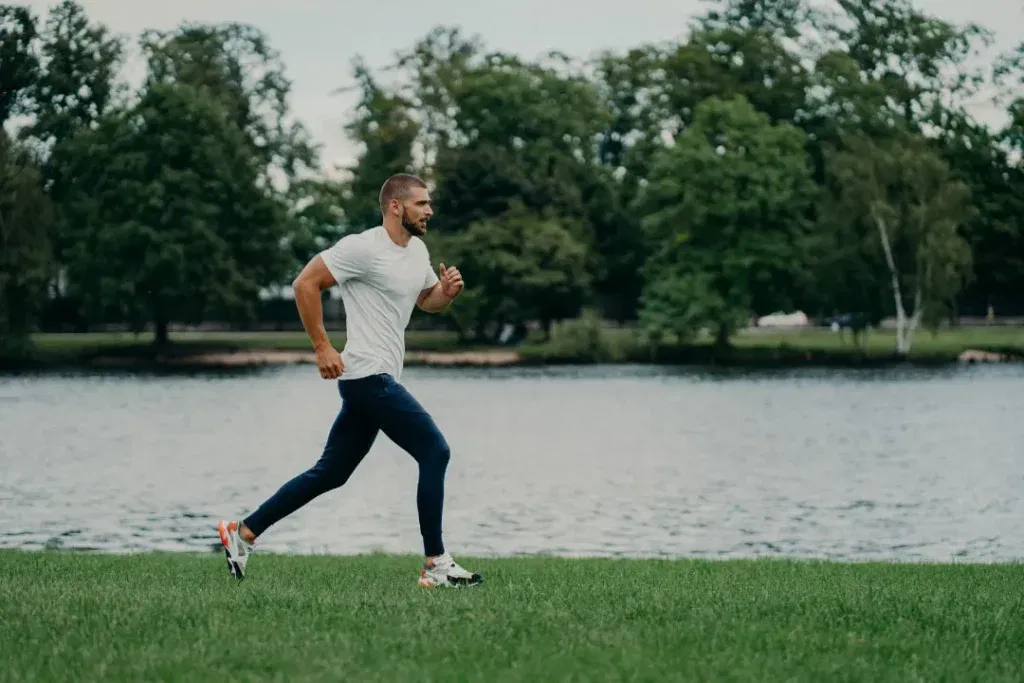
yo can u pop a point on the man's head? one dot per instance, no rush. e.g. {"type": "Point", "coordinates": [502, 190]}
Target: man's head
{"type": "Point", "coordinates": [405, 197]}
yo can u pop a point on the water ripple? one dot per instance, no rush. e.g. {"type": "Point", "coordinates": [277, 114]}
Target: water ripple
{"type": "Point", "coordinates": [615, 462]}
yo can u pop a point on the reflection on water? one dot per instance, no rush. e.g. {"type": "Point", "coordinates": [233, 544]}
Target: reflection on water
{"type": "Point", "coordinates": [632, 461]}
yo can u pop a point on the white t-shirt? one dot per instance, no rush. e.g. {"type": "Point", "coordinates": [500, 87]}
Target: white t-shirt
{"type": "Point", "coordinates": [380, 282]}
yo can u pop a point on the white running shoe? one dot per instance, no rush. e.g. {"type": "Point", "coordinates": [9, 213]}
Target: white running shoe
{"type": "Point", "coordinates": [444, 571]}
{"type": "Point", "coordinates": [236, 550]}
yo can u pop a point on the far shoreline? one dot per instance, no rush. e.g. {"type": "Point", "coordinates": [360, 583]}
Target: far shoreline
{"type": "Point", "coordinates": [574, 343]}
{"type": "Point", "coordinates": [186, 357]}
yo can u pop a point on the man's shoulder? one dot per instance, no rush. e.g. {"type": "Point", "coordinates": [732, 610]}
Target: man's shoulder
{"type": "Point", "coordinates": [362, 241]}
{"type": "Point", "coordinates": [418, 244]}
{"type": "Point", "coordinates": [368, 235]}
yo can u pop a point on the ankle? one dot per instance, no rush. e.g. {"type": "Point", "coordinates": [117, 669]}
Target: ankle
{"type": "Point", "coordinates": [431, 560]}
{"type": "Point", "coordinates": [246, 533]}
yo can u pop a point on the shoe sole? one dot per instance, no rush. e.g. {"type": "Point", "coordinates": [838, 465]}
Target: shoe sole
{"type": "Point", "coordinates": [430, 583]}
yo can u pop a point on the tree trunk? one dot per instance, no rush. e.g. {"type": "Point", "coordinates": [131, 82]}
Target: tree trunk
{"type": "Point", "coordinates": [161, 333]}
{"type": "Point", "coordinates": [722, 338]}
{"type": "Point", "coordinates": [902, 346]}
{"type": "Point", "coordinates": [162, 337]}
{"type": "Point", "coordinates": [915, 319]}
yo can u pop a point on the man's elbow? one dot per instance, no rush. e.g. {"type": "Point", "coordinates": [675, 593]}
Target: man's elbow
{"type": "Point", "coordinates": [303, 286]}
{"type": "Point", "coordinates": [313, 279]}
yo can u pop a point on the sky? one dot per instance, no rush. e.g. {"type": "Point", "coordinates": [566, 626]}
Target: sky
{"type": "Point", "coordinates": [318, 39]}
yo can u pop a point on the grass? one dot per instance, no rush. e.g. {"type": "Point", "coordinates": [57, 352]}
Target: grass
{"type": "Point", "coordinates": [169, 617]}
{"type": "Point", "coordinates": [64, 343]}
{"type": "Point", "coordinates": [948, 341]}
{"type": "Point", "coordinates": [581, 341]}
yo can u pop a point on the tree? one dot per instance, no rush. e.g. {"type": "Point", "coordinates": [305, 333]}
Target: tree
{"type": "Point", "coordinates": [235, 65]}
{"type": "Point", "coordinates": [727, 213]}
{"type": "Point", "coordinates": [316, 219]}
{"type": "Point", "coordinates": [518, 267]}
{"type": "Point", "coordinates": [900, 198]}
{"type": "Point", "coordinates": [922, 62]}
{"type": "Point", "coordinates": [25, 257]}
{"type": "Point", "coordinates": [1002, 248]}
{"type": "Point", "coordinates": [518, 131]}
{"type": "Point", "coordinates": [652, 92]}
{"type": "Point", "coordinates": [76, 85]}
{"type": "Point", "coordinates": [77, 82]}
{"type": "Point", "coordinates": [497, 130]}
{"type": "Point", "coordinates": [980, 159]}
{"type": "Point", "coordinates": [173, 223]}
{"type": "Point", "coordinates": [20, 68]}
{"type": "Point", "coordinates": [386, 129]}
{"type": "Point", "coordinates": [787, 19]}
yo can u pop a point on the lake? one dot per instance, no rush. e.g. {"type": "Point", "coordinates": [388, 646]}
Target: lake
{"type": "Point", "coordinates": [911, 464]}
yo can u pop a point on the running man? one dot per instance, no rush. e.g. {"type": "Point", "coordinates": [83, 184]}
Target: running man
{"type": "Point", "coordinates": [382, 273]}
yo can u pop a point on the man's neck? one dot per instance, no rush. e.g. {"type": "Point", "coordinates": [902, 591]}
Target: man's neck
{"type": "Point", "coordinates": [398, 234]}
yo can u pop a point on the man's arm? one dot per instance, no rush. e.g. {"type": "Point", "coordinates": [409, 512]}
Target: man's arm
{"type": "Point", "coordinates": [433, 300]}
{"type": "Point", "coordinates": [313, 279]}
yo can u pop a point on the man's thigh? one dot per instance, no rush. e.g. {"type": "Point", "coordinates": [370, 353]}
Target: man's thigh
{"type": "Point", "coordinates": [406, 422]}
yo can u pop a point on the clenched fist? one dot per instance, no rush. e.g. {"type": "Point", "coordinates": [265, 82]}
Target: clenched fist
{"type": "Point", "coordinates": [451, 281]}
{"type": "Point", "coordinates": [329, 362]}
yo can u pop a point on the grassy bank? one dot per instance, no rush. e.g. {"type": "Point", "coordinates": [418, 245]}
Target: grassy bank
{"type": "Point", "coordinates": [58, 345]}
{"type": "Point", "coordinates": [77, 617]}
{"type": "Point", "coordinates": [579, 341]}
{"type": "Point", "coordinates": [112, 348]}
{"type": "Point", "coordinates": [572, 342]}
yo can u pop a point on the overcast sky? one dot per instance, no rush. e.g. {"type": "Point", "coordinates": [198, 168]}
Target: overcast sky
{"type": "Point", "coordinates": [319, 38]}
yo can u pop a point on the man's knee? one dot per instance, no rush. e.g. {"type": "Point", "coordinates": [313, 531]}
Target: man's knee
{"type": "Point", "coordinates": [327, 474]}
{"type": "Point", "coordinates": [437, 452]}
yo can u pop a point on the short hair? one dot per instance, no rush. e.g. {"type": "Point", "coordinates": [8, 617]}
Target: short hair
{"type": "Point", "coordinates": [398, 187]}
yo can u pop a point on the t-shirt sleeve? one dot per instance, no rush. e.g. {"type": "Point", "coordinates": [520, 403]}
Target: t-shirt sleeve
{"type": "Point", "coordinates": [346, 258]}
{"type": "Point", "coordinates": [429, 277]}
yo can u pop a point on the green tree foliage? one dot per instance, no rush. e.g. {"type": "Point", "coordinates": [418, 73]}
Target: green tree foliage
{"type": "Point", "coordinates": [171, 221]}
{"type": "Point", "coordinates": [25, 257]}
{"type": "Point", "coordinates": [235, 65]}
{"type": "Point", "coordinates": [745, 168]}
{"type": "Point", "coordinates": [77, 81]}
{"type": "Point", "coordinates": [519, 267]}
{"type": "Point", "coordinates": [19, 66]}
{"type": "Point", "coordinates": [899, 199]}
{"type": "Point", "coordinates": [727, 212]}
{"type": "Point", "coordinates": [385, 127]}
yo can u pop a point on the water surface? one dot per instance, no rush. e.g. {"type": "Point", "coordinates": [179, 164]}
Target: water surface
{"type": "Point", "coordinates": [613, 461]}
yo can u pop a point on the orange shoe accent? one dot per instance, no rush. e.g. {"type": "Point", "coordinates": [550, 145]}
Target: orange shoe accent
{"type": "Point", "coordinates": [423, 581]}
{"type": "Point", "coordinates": [223, 529]}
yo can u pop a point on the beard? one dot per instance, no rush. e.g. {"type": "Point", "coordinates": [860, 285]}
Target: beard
{"type": "Point", "coordinates": [414, 228]}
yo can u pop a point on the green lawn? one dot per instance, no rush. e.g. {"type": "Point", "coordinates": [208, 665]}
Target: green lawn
{"type": "Point", "coordinates": [570, 345]}
{"type": "Point", "coordinates": [61, 343]}
{"type": "Point", "coordinates": [149, 617]}
{"type": "Point", "coordinates": [948, 341]}
{"type": "Point", "coordinates": [809, 345]}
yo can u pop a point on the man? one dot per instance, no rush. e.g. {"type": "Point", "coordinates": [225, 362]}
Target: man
{"type": "Point", "coordinates": [382, 273]}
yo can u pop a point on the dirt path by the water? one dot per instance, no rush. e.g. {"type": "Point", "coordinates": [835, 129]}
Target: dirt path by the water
{"type": "Point", "coordinates": [257, 357]}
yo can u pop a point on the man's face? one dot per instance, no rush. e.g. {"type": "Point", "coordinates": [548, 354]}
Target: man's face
{"type": "Point", "coordinates": [415, 211]}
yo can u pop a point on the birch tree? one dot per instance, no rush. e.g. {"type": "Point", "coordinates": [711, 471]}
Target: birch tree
{"type": "Point", "coordinates": [896, 202]}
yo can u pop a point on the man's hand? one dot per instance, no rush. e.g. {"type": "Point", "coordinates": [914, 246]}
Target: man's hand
{"type": "Point", "coordinates": [329, 362]}
{"type": "Point", "coordinates": [437, 298]}
{"type": "Point", "coordinates": [451, 281]}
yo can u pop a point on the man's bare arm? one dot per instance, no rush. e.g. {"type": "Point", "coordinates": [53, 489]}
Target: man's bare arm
{"type": "Point", "coordinates": [437, 298]}
{"type": "Point", "coordinates": [433, 300]}
{"type": "Point", "coordinates": [308, 285]}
